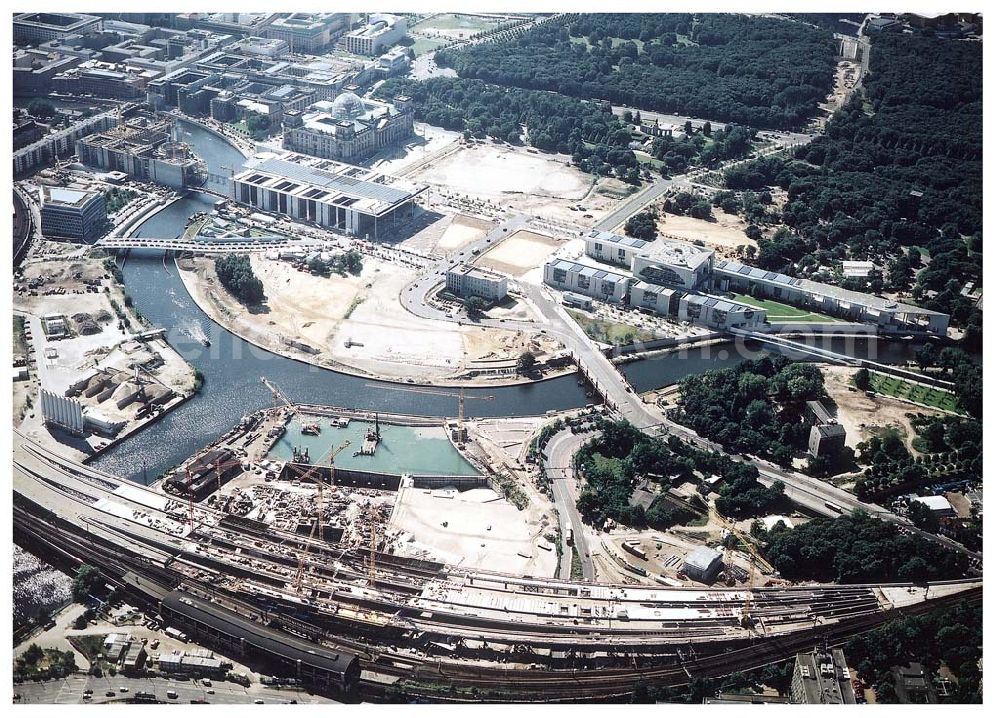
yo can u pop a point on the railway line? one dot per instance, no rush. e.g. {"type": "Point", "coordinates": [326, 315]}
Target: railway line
{"type": "Point", "coordinates": [427, 626]}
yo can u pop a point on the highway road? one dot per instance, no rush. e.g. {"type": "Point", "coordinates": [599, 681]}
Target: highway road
{"type": "Point", "coordinates": [70, 690]}
{"type": "Point", "coordinates": [558, 462]}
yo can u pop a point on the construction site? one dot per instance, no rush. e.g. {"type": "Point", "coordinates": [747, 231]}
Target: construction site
{"type": "Point", "coordinates": [406, 626]}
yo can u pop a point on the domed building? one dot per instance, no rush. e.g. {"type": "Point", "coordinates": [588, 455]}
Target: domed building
{"type": "Point", "coordinates": [348, 129]}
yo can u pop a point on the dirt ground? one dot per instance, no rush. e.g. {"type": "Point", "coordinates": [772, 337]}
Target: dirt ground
{"type": "Point", "coordinates": [519, 253]}
{"type": "Point", "coordinates": [448, 234]}
{"type": "Point", "coordinates": [327, 314]}
{"type": "Point", "coordinates": [725, 233]}
{"type": "Point", "coordinates": [521, 180]}
{"type": "Point", "coordinates": [863, 416]}
{"type": "Point", "coordinates": [476, 528]}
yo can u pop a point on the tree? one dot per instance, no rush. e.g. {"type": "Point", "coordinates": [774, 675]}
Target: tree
{"type": "Point", "coordinates": [707, 129]}
{"type": "Point", "coordinates": [863, 379]}
{"type": "Point", "coordinates": [86, 580]}
{"type": "Point", "coordinates": [641, 225]}
{"type": "Point", "coordinates": [33, 654]}
{"type": "Point", "coordinates": [475, 306]}
{"type": "Point", "coordinates": [258, 125]}
{"type": "Point", "coordinates": [42, 109]}
{"type": "Point", "coordinates": [526, 362]}
{"type": "Point", "coordinates": [237, 275]}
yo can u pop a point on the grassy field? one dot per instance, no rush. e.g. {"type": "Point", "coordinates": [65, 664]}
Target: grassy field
{"type": "Point", "coordinates": [423, 45]}
{"type": "Point", "coordinates": [20, 343]}
{"type": "Point", "coordinates": [453, 21]}
{"type": "Point", "coordinates": [601, 330]}
{"type": "Point", "coordinates": [917, 393]}
{"type": "Point", "coordinates": [778, 313]}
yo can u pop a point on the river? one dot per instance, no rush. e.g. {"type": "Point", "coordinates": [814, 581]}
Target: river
{"type": "Point", "coordinates": [232, 368]}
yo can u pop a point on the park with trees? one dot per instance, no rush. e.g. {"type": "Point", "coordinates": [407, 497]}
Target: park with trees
{"type": "Point", "coordinates": [750, 70]}
{"type": "Point", "coordinates": [237, 276]}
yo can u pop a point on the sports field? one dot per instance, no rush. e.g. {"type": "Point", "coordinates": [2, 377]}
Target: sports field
{"type": "Point", "coordinates": [917, 393]}
{"type": "Point", "coordinates": [778, 313]}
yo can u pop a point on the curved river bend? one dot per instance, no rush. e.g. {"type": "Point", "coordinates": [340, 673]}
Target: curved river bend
{"type": "Point", "coordinates": [232, 367]}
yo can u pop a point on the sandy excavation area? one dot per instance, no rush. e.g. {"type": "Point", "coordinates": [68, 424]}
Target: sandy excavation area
{"type": "Point", "coordinates": [448, 234]}
{"type": "Point", "coordinates": [862, 416]}
{"type": "Point", "coordinates": [725, 233]}
{"type": "Point", "coordinates": [493, 171]}
{"type": "Point", "coordinates": [352, 323]}
{"type": "Point", "coordinates": [519, 253]}
{"type": "Point", "coordinates": [476, 528]}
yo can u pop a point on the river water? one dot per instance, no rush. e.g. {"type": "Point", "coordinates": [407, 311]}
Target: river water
{"type": "Point", "coordinates": [232, 368]}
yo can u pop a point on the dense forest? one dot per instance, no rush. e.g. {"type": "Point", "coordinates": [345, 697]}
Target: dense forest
{"type": "Point", "coordinates": [755, 407]}
{"type": "Point", "coordinates": [896, 175]}
{"type": "Point", "coordinates": [614, 463]}
{"type": "Point", "coordinates": [238, 277]}
{"type": "Point", "coordinates": [756, 71]}
{"type": "Point", "coordinates": [858, 549]}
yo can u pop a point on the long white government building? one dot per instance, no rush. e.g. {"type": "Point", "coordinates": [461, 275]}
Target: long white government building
{"type": "Point", "coordinates": [355, 200]}
{"type": "Point", "coordinates": [685, 281]}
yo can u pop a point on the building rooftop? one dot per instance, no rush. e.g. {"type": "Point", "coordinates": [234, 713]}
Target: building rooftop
{"type": "Point", "coordinates": [821, 413]}
{"type": "Point", "coordinates": [682, 254]}
{"type": "Point", "coordinates": [66, 197]}
{"type": "Point", "coordinates": [316, 178]}
{"type": "Point", "coordinates": [702, 558]}
{"type": "Point", "coordinates": [588, 271]}
{"type": "Point", "coordinates": [830, 430]}
{"type": "Point", "coordinates": [612, 238]}
{"type": "Point", "coordinates": [936, 503]}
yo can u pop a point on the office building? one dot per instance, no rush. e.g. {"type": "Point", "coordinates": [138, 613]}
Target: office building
{"type": "Point", "coordinates": [614, 248]}
{"type": "Point", "coordinates": [465, 281]}
{"type": "Point", "coordinates": [307, 32]}
{"type": "Point", "coordinates": [348, 129]}
{"type": "Point", "coordinates": [822, 678]}
{"type": "Point", "coordinates": [678, 265]}
{"type": "Point", "coordinates": [586, 280]}
{"type": "Point", "coordinates": [358, 201]}
{"type": "Point", "coordinates": [377, 35]}
{"type": "Point", "coordinates": [887, 314]}
{"type": "Point", "coordinates": [72, 213]}
{"type": "Point", "coordinates": [41, 26]}
{"type": "Point", "coordinates": [144, 149]}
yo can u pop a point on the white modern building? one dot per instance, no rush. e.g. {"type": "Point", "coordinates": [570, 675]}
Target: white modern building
{"type": "Point", "coordinates": [614, 248]}
{"type": "Point", "coordinates": [306, 32]}
{"type": "Point", "coordinates": [703, 564]}
{"type": "Point", "coordinates": [355, 200]}
{"type": "Point", "coordinates": [589, 281]}
{"type": "Point", "coordinates": [669, 263]}
{"type": "Point", "coordinates": [464, 280]}
{"type": "Point", "coordinates": [377, 35]}
{"type": "Point", "coordinates": [887, 314]}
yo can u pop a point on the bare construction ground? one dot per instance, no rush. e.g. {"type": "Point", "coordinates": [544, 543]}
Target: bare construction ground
{"type": "Point", "coordinates": [519, 253]}
{"type": "Point", "coordinates": [448, 234]}
{"type": "Point", "coordinates": [521, 179]}
{"type": "Point", "coordinates": [353, 324]}
{"type": "Point", "coordinates": [725, 233]}
{"type": "Point", "coordinates": [866, 416]}
{"type": "Point", "coordinates": [476, 528]}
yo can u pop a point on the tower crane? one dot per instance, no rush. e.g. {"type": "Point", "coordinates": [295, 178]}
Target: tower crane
{"type": "Point", "coordinates": [277, 394]}
{"type": "Point", "coordinates": [755, 560]}
{"type": "Point", "coordinates": [460, 395]}
{"type": "Point", "coordinates": [311, 474]}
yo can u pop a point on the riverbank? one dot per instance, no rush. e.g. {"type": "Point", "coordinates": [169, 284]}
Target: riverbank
{"type": "Point", "coordinates": [200, 281]}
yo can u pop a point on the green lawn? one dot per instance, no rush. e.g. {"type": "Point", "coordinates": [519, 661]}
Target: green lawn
{"type": "Point", "coordinates": [614, 333]}
{"type": "Point", "coordinates": [453, 21]}
{"type": "Point", "coordinates": [778, 313]}
{"type": "Point", "coordinates": [20, 342]}
{"type": "Point", "coordinates": [917, 393]}
{"type": "Point", "coordinates": [423, 45]}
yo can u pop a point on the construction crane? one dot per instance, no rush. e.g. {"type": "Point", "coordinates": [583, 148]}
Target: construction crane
{"type": "Point", "coordinates": [277, 394]}
{"type": "Point", "coordinates": [311, 475]}
{"type": "Point", "coordinates": [460, 395]}
{"type": "Point", "coordinates": [746, 619]}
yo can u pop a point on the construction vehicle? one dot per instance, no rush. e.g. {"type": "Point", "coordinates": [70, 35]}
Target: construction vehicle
{"type": "Point", "coordinates": [460, 395]}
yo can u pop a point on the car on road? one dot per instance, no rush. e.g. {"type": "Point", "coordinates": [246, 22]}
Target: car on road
{"type": "Point", "coordinates": [258, 702]}
{"type": "Point", "coordinates": [123, 689]}
{"type": "Point", "coordinates": [109, 694]}
{"type": "Point", "coordinates": [172, 694]}
{"type": "Point", "coordinates": [210, 691]}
